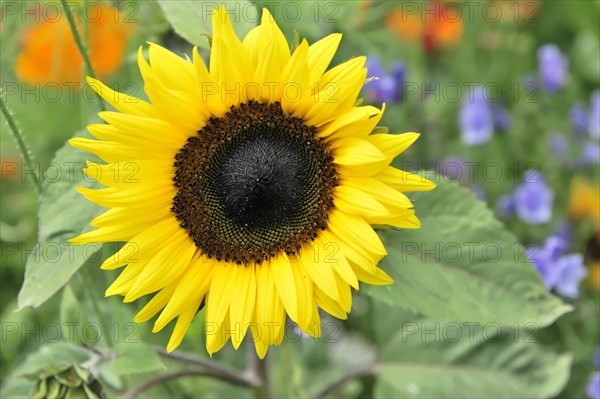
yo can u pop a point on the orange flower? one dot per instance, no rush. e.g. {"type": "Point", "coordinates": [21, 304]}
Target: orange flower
{"type": "Point", "coordinates": [435, 24]}
{"type": "Point", "coordinates": [49, 52]}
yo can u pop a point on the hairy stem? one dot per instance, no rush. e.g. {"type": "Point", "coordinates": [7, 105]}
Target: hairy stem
{"type": "Point", "coordinates": [80, 46]}
{"type": "Point", "coordinates": [27, 156]}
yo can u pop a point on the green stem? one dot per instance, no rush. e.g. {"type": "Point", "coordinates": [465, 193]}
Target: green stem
{"type": "Point", "coordinates": [264, 389]}
{"type": "Point", "coordinates": [259, 372]}
{"type": "Point", "coordinates": [27, 157]}
{"type": "Point", "coordinates": [80, 46]}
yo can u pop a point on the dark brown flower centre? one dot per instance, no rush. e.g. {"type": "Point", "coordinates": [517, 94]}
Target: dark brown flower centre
{"type": "Point", "coordinates": [253, 184]}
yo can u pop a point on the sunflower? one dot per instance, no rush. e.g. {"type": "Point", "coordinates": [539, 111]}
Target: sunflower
{"type": "Point", "coordinates": [248, 188]}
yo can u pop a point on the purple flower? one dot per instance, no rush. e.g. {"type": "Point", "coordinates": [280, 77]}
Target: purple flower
{"type": "Point", "coordinates": [594, 116]}
{"type": "Point", "coordinates": [545, 259]}
{"type": "Point", "coordinates": [454, 168]}
{"type": "Point", "coordinates": [506, 205]}
{"type": "Point", "coordinates": [565, 233]}
{"type": "Point", "coordinates": [570, 273]}
{"type": "Point", "coordinates": [593, 388]}
{"type": "Point", "coordinates": [533, 199]}
{"type": "Point", "coordinates": [590, 153]}
{"type": "Point", "coordinates": [560, 272]}
{"type": "Point", "coordinates": [596, 358]}
{"type": "Point", "coordinates": [387, 87]}
{"type": "Point", "coordinates": [579, 119]}
{"type": "Point", "coordinates": [558, 144]}
{"type": "Point", "coordinates": [475, 118]}
{"type": "Point", "coordinates": [543, 265]}
{"type": "Point", "coordinates": [399, 74]}
{"type": "Point", "coordinates": [501, 118]}
{"type": "Point", "coordinates": [552, 67]}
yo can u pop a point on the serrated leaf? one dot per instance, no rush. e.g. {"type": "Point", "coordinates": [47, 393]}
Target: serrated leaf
{"type": "Point", "coordinates": [63, 215]}
{"type": "Point", "coordinates": [426, 359]}
{"type": "Point", "coordinates": [192, 19]}
{"type": "Point", "coordinates": [463, 265]}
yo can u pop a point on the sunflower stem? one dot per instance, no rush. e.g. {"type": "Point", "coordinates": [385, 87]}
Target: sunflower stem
{"type": "Point", "coordinates": [260, 369]}
{"type": "Point", "coordinates": [25, 153]}
{"type": "Point", "coordinates": [81, 47]}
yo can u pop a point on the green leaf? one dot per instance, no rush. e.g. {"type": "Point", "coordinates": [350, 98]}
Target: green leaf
{"type": "Point", "coordinates": [135, 358]}
{"type": "Point", "coordinates": [63, 214]}
{"type": "Point", "coordinates": [432, 359]}
{"type": "Point", "coordinates": [71, 313]}
{"type": "Point", "coordinates": [463, 265]}
{"type": "Point", "coordinates": [192, 19]}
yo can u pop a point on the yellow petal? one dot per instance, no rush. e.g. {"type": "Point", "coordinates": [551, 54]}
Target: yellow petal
{"type": "Point", "coordinates": [393, 144]}
{"type": "Point", "coordinates": [404, 181]}
{"type": "Point", "coordinates": [217, 334]}
{"type": "Point", "coordinates": [378, 190]}
{"type": "Point", "coordinates": [183, 324]}
{"type": "Point", "coordinates": [304, 290]}
{"type": "Point", "coordinates": [126, 279]}
{"type": "Point", "coordinates": [183, 109]}
{"type": "Point", "coordinates": [379, 277]}
{"type": "Point", "coordinates": [157, 302]}
{"type": "Point", "coordinates": [261, 348]}
{"type": "Point", "coordinates": [329, 305]}
{"type": "Point", "coordinates": [337, 91]}
{"type": "Point", "coordinates": [220, 294]}
{"type": "Point", "coordinates": [353, 252]}
{"type": "Point", "coordinates": [242, 306]}
{"type": "Point", "coordinates": [267, 34]}
{"type": "Point", "coordinates": [164, 268]}
{"type": "Point", "coordinates": [355, 201]}
{"type": "Point", "coordinates": [147, 243]}
{"type": "Point", "coordinates": [295, 93]}
{"type": "Point", "coordinates": [173, 71]}
{"type": "Point", "coordinates": [320, 55]}
{"type": "Point", "coordinates": [122, 102]}
{"type": "Point", "coordinates": [354, 151]}
{"type": "Point", "coordinates": [354, 229]}
{"type": "Point", "coordinates": [229, 61]}
{"type": "Point", "coordinates": [284, 280]}
{"type": "Point", "coordinates": [270, 314]}
{"type": "Point", "coordinates": [319, 267]}
{"type": "Point", "coordinates": [191, 289]}
{"type": "Point", "coordinates": [344, 122]}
